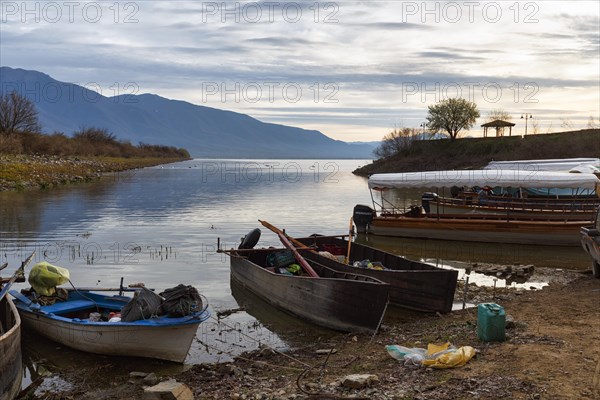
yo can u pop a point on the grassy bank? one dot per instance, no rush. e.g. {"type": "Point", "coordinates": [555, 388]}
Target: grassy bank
{"type": "Point", "coordinates": [19, 172]}
{"type": "Point", "coordinates": [472, 153]}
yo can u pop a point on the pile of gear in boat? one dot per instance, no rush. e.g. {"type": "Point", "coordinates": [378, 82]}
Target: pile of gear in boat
{"type": "Point", "coordinates": [178, 301]}
{"type": "Point", "coordinates": [283, 262]}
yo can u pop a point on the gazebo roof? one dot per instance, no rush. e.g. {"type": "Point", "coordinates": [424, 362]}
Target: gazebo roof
{"type": "Point", "coordinates": [497, 124]}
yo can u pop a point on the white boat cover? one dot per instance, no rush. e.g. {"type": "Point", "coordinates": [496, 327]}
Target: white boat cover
{"type": "Point", "coordinates": [558, 164]}
{"type": "Point", "coordinates": [481, 178]}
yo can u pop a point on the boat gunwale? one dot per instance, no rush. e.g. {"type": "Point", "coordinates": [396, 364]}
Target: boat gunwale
{"type": "Point", "coordinates": [14, 309]}
{"type": "Point", "coordinates": [368, 279]}
{"type": "Point", "coordinates": [162, 321]}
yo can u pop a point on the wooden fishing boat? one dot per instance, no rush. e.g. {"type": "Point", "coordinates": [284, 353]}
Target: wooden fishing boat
{"type": "Point", "coordinates": [590, 240]}
{"type": "Point", "coordinates": [341, 301]}
{"type": "Point", "coordinates": [10, 350]}
{"type": "Point", "coordinates": [415, 285]}
{"type": "Point", "coordinates": [10, 336]}
{"type": "Point", "coordinates": [67, 323]}
{"type": "Point", "coordinates": [508, 227]}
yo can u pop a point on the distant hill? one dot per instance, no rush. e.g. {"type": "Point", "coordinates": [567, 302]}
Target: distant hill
{"type": "Point", "coordinates": [148, 118]}
{"type": "Point", "coordinates": [473, 153]}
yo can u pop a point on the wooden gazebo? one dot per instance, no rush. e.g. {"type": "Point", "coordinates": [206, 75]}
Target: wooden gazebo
{"type": "Point", "coordinates": [498, 124]}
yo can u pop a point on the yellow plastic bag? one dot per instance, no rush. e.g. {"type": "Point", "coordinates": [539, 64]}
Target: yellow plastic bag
{"type": "Point", "coordinates": [44, 277]}
{"type": "Point", "coordinates": [456, 358]}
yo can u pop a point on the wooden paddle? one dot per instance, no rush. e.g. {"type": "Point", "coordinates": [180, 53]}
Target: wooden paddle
{"type": "Point", "coordinates": [278, 231]}
{"type": "Point", "coordinates": [297, 255]}
{"type": "Point", "coordinates": [19, 272]}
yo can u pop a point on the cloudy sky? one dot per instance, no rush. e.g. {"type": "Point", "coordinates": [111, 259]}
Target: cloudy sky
{"type": "Point", "coordinates": [351, 69]}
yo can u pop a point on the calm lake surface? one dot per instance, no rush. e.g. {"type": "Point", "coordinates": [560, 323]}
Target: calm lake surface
{"type": "Point", "coordinates": [160, 226]}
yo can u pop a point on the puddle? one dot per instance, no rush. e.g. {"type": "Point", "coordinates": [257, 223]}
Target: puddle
{"type": "Point", "coordinates": [53, 384]}
{"type": "Point", "coordinates": [533, 282]}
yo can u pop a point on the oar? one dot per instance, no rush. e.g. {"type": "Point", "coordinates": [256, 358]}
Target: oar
{"type": "Point", "coordinates": [19, 272]}
{"type": "Point", "coordinates": [299, 258]}
{"type": "Point", "coordinates": [279, 231]}
{"type": "Point", "coordinates": [350, 232]}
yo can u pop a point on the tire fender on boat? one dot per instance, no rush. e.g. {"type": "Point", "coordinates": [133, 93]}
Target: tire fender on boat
{"type": "Point", "coordinates": [250, 240]}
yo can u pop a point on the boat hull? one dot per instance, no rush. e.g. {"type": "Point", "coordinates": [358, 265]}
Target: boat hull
{"type": "Point", "coordinates": [334, 303]}
{"type": "Point", "coordinates": [414, 285]}
{"type": "Point", "coordinates": [513, 211]}
{"type": "Point", "coordinates": [67, 322]}
{"type": "Point", "coordinates": [480, 229]}
{"type": "Point", "coordinates": [10, 351]}
{"type": "Point", "coordinates": [169, 343]}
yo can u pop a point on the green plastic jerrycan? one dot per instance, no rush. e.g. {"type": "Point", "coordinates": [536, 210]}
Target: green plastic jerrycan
{"type": "Point", "coordinates": [491, 321]}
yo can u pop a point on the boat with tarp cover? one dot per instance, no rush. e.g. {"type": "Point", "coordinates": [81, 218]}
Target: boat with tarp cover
{"type": "Point", "coordinates": [541, 227]}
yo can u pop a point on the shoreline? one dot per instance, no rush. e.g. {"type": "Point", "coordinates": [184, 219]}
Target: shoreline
{"type": "Point", "coordinates": [547, 355]}
{"type": "Point", "coordinates": [27, 172]}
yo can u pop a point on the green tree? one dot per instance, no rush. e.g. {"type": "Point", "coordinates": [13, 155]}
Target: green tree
{"type": "Point", "coordinates": [17, 114]}
{"type": "Point", "coordinates": [452, 116]}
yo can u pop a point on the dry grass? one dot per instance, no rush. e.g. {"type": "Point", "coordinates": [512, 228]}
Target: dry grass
{"type": "Point", "coordinates": [431, 155]}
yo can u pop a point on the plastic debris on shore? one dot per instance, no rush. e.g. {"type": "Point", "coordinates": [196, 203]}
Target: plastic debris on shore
{"type": "Point", "coordinates": [435, 356]}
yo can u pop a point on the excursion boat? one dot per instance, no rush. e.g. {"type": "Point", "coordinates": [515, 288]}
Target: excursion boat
{"type": "Point", "coordinates": [67, 322]}
{"type": "Point", "coordinates": [414, 285]}
{"type": "Point", "coordinates": [337, 300]}
{"type": "Point", "coordinates": [469, 202]}
{"type": "Point", "coordinates": [537, 228]}
{"type": "Point", "coordinates": [10, 350]}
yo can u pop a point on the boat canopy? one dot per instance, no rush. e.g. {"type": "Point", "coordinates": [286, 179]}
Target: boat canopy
{"type": "Point", "coordinates": [558, 164]}
{"type": "Point", "coordinates": [481, 178]}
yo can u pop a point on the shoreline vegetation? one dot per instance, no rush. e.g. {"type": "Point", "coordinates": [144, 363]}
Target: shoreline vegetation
{"type": "Point", "coordinates": [474, 153]}
{"type": "Point", "coordinates": [34, 160]}
{"type": "Point", "coordinates": [23, 172]}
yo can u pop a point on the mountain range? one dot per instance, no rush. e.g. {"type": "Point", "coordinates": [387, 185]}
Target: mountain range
{"type": "Point", "coordinates": [152, 119]}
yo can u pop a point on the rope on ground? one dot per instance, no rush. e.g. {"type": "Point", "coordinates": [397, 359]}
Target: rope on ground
{"type": "Point", "coordinates": [248, 359]}
{"type": "Point", "coordinates": [259, 342]}
{"type": "Point", "coordinates": [325, 395]}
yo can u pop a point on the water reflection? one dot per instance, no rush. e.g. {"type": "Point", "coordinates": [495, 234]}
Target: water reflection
{"type": "Point", "coordinates": [160, 226]}
{"type": "Point", "coordinates": [440, 251]}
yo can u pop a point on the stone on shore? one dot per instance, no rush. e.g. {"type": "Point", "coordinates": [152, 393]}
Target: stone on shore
{"type": "Point", "coordinates": [168, 390]}
{"type": "Point", "coordinates": [359, 381]}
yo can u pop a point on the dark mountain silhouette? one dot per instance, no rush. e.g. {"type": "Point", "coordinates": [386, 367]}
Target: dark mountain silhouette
{"type": "Point", "coordinates": [148, 118]}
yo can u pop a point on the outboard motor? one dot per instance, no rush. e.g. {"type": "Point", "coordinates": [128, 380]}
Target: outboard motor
{"type": "Point", "coordinates": [426, 199]}
{"type": "Point", "coordinates": [362, 216]}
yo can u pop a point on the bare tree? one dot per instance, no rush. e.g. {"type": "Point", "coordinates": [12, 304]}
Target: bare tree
{"type": "Point", "coordinates": [566, 124]}
{"type": "Point", "coordinates": [397, 140]}
{"type": "Point", "coordinates": [535, 125]}
{"type": "Point", "coordinates": [17, 114]}
{"type": "Point", "coordinates": [498, 113]}
{"type": "Point", "coordinates": [593, 123]}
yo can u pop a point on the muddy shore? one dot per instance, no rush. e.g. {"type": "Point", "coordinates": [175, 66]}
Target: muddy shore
{"type": "Point", "coordinates": [551, 352]}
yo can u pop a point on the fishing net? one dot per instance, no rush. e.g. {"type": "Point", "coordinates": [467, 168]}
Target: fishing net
{"type": "Point", "coordinates": [181, 300]}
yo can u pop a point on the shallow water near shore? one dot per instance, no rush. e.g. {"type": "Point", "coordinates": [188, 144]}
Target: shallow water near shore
{"type": "Point", "coordinates": [160, 226]}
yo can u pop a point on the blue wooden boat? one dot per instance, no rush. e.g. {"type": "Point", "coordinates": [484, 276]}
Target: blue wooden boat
{"type": "Point", "coordinates": [68, 323]}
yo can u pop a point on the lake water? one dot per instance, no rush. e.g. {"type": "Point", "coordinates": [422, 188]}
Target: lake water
{"type": "Point", "coordinates": [160, 226]}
